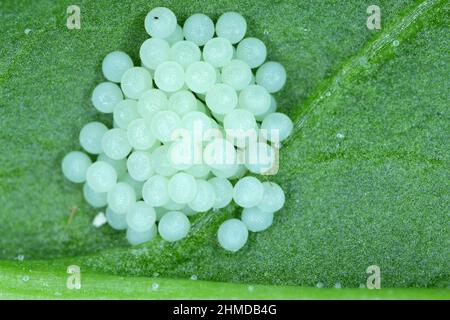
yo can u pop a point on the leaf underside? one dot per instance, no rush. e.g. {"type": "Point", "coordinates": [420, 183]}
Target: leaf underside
{"type": "Point", "coordinates": [365, 173]}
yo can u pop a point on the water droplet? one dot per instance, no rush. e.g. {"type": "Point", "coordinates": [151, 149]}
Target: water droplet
{"type": "Point", "coordinates": [265, 32]}
{"type": "Point", "coordinates": [320, 285]}
{"type": "Point", "coordinates": [337, 285]}
{"type": "Point", "coordinates": [340, 135]}
{"type": "Point", "coordinates": [395, 43]}
{"type": "Point", "coordinates": [156, 274]}
{"type": "Point", "coordinates": [155, 286]}
{"type": "Point", "coordinates": [25, 278]}
{"type": "Point", "coordinates": [20, 257]}
{"type": "Point", "coordinates": [27, 31]}
{"type": "Point", "coordinates": [328, 93]}
{"type": "Point", "coordinates": [194, 277]}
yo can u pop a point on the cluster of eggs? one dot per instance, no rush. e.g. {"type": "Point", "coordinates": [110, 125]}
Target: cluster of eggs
{"type": "Point", "coordinates": [188, 80]}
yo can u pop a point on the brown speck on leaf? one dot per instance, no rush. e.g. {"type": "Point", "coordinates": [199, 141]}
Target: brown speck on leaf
{"type": "Point", "coordinates": [73, 211]}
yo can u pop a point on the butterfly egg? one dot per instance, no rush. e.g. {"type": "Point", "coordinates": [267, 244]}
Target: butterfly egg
{"type": "Point", "coordinates": [200, 171]}
{"type": "Point", "coordinates": [140, 216]}
{"type": "Point", "coordinates": [185, 53]}
{"type": "Point", "coordinates": [121, 197]}
{"type": "Point", "coordinates": [136, 81]}
{"type": "Point", "coordinates": [125, 112]}
{"type": "Point", "coordinates": [174, 226]}
{"type": "Point", "coordinates": [218, 52]}
{"type": "Point", "coordinates": [232, 235]}
{"type": "Point", "coordinates": [115, 220]}
{"type": "Point", "coordinates": [155, 191]}
{"type": "Point", "coordinates": [248, 192]}
{"type": "Point", "coordinates": [182, 102]}
{"type": "Point", "coordinates": [272, 76]}
{"type": "Point", "coordinates": [160, 22]}
{"type": "Point", "coordinates": [204, 198]}
{"type": "Point", "coordinates": [200, 76]}
{"type": "Point", "coordinates": [273, 197]}
{"type": "Point", "coordinates": [182, 188]}
{"type": "Point", "coordinates": [219, 154]}
{"type": "Point", "coordinates": [119, 165]}
{"type": "Point", "coordinates": [176, 36]}
{"type": "Point", "coordinates": [95, 199]}
{"type": "Point", "coordinates": [150, 102]}
{"type": "Point", "coordinates": [256, 220]}
{"type": "Point", "coordinates": [135, 237]}
{"type": "Point", "coordinates": [139, 135]}
{"type": "Point", "coordinates": [221, 98]}
{"type": "Point", "coordinates": [139, 165]}
{"type": "Point", "coordinates": [252, 51]}
{"type": "Point", "coordinates": [169, 76]}
{"type": "Point", "coordinates": [153, 52]}
{"type": "Point", "coordinates": [75, 165]}
{"type": "Point", "coordinates": [272, 109]}
{"type": "Point", "coordinates": [198, 28]}
{"type": "Point", "coordinates": [163, 124]}
{"type": "Point", "coordinates": [136, 185]}
{"type": "Point", "coordinates": [91, 137]}
{"type": "Point", "coordinates": [181, 154]}
{"type": "Point", "coordinates": [223, 192]}
{"type": "Point", "coordinates": [231, 26]}
{"type": "Point", "coordinates": [174, 206]}
{"type": "Point", "coordinates": [197, 124]}
{"type": "Point", "coordinates": [160, 162]}
{"type": "Point", "coordinates": [105, 96]}
{"type": "Point", "coordinates": [115, 144]}
{"type": "Point", "coordinates": [255, 99]}
{"type": "Point", "coordinates": [240, 126]}
{"type": "Point", "coordinates": [276, 127]}
{"type": "Point", "coordinates": [115, 64]}
{"type": "Point", "coordinates": [101, 176]}
{"type": "Point", "coordinates": [260, 158]}
{"type": "Point", "coordinates": [237, 74]}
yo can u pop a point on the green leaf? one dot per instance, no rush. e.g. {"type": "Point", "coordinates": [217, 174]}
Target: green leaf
{"type": "Point", "coordinates": [366, 172]}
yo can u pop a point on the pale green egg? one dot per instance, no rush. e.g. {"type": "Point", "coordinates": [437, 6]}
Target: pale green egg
{"type": "Point", "coordinates": [125, 112]}
{"type": "Point", "coordinates": [232, 235]}
{"type": "Point", "coordinates": [75, 166]}
{"type": "Point", "coordinates": [256, 220]}
{"type": "Point", "coordinates": [155, 191]}
{"type": "Point", "coordinates": [121, 197]}
{"type": "Point", "coordinates": [223, 192]}
{"type": "Point", "coordinates": [248, 192]}
{"type": "Point", "coordinates": [139, 165]}
{"type": "Point", "coordinates": [232, 26]}
{"type": "Point", "coordinates": [91, 137]}
{"type": "Point", "coordinates": [101, 176]}
{"type": "Point", "coordinates": [272, 76]}
{"type": "Point", "coordinates": [136, 81]}
{"type": "Point", "coordinates": [174, 226]}
{"type": "Point", "coordinates": [160, 22]}
{"type": "Point", "coordinates": [141, 217]}
{"type": "Point", "coordinates": [105, 97]}
{"type": "Point", "coordinates": [153, 52]}
{"type": "Point", "coordinates": [115, 64]}
{"type": "Point", "coordinates": [115, 144]}
{"type": "Point", "coordinates": [198, 28]}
